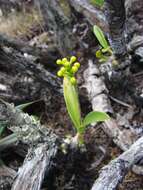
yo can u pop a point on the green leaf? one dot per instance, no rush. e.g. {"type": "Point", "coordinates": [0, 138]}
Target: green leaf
{"type": "Point", "coordinates": [72, 102]}
{"type": "Point", "coordinates": [100, 36]}
{"type": "Point", "coordinates": [98, 2]}
{"type": "Point", "coordinates": [95, 116]}
{"type": "Point", "coordinates": [23, 106]}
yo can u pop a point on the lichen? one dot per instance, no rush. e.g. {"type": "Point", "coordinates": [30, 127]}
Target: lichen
{"type": "Point", "coordinates": [65, 7]}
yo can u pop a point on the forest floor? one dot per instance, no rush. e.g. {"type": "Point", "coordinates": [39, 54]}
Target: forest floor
{"type": "Point", "coordinates": [100, 149]}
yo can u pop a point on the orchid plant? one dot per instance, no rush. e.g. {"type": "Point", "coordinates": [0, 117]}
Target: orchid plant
{"type": "Point", "coordinates": [69, 68]}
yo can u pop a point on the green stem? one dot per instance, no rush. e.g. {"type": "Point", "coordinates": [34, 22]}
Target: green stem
{"type": "Point", "coordinates": [80, 138]}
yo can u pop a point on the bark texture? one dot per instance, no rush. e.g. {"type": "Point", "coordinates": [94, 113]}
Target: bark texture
{"type": "Point", "coordinates": [134, 26]}
{"type": "Point", "coordinates": [58, 17]}
{"type": "Point", "coordinates": [115, 14]}
{"type": "Point", "coordinates": [113, 174]}
{"type": "Point", "coordinates": [22, 80]}
{"type": "Point", "coordinates": [43, 142]}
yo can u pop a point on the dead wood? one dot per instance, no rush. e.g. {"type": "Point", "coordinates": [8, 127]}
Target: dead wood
{"type": "Point", "coordinates": [72, 32]}
{"type": "Point", "coordinates": [27, 79]}
{"type": "Point", "coordinates": [58, 17]}
{"type": "Point", "coordinates": [123, 138]}
{"type": "Point", "coordinates": [115, 15]}
{"type": "Point", "coordinates": [48, 54]}
{"type": "Point", "coordinates": [113, 174]}
{"type": "Point", "coordinates": [134, 27]}
{"type": "Point", "coordinates": [96, 93]}
{"type": "Point", "coordinates": [7, 176]}
{"type": "Point", "coordinates": [125, 18]}
{"type": "Point", "coordinates": [44, 149]}
{"type": "Point", "coordinates": [44, 144]}
{"type": "Point", "coordinates": [90, 12]}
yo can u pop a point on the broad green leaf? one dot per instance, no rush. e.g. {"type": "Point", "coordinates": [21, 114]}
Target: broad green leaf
{"type": "Point", "coordinates": [100, 36]}
{"type": "Point", "coordinates": [98, 2]}
{"type": "Point", "coordinates": [23, 106]}
{"type": "Point", "coordinates": [72, 102]}
{"type": "Point", "coordinates": [95, 116]}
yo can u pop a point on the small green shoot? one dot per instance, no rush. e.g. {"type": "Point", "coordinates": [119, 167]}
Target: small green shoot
{"type": "Point", "coordinates": [100, 36]}
{"type": "Point", "coordinates": [68, 71]}
{"type": "Point", "coordinates": [105, 52]}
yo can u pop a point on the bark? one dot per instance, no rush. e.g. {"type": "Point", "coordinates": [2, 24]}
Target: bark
{"type": "Point", "coordinates": [99, 98]}
{"type": "Point", "coordinates": [38, 162]}
{"type": "Point", "coordinates": [125, 17]}
{"type": "Point", "coordinates": [90, 12]}
{"type": "Point", "coordinates": [7, 176]}
{"type": "Point", "coordinates": [26, 79]}
{"type": "Point", "coordinates": [72, 32]}
{"type": "Point", "coordinates": [115, 14]}
{"type": "Point", "coordinates": [45, 152]}
{"type": "Point", "coordinates": [48, 55]}
{"type": "Point", "coordinates": [113, 174]}
{"type": "Point", "coordinates": [43, 142]}
{"type": "Point", "coordinates": [58, 17]}
{"type": "Point", "coordinates": [134, 20]}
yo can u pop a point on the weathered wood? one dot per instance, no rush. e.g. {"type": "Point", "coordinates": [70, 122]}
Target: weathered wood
{"type": "Point", "coordinates": [58, 17]}
{"type": "Point", "coordinates": [113, 174]}
{"type": "Point", "coordinates": [96, 93]}
{"type": "Point", "coordinates": [125, 18]}
{"type": "Point", "coordinates": [48, 54]}
{"type": "Point", "coordinates": [115, 14]}
{"type": "Point", "coordinates": [7, 176]}
{"type": "Point", "coordinates": [90, 12]}
{"type": "Point", "coordinates": [134, 20]}
{"type": "Point", "coordinates": [45, 148]}
{"type": "Point", "coordinates": [123, 138]}
{"type": "Point", "coordinates": [28, 81]}
{"type": "Point", "coordinates": [43, 141]}
{"type": "Point", "coordinates": [39, 161]}
{"type": "Point", "coordinates": [61, 17]}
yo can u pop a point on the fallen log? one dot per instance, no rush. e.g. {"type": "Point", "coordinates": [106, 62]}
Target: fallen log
{"type": "Point", "coordinates": [43, 142]}
{"type": "Point", "coordinates": [45, 149]}
{"type": "Point", "coordinates": [47, 55]}
{"type": "Point", "coordinates": [27, 79]}
{"type": "Point", "coordinates": [113, 174]}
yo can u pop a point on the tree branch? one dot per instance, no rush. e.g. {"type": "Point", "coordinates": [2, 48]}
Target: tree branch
{"type": "Point", "coordinates": [113, 174]}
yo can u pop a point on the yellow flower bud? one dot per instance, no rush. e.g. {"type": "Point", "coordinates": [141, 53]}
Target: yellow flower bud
{"type": "Point", "coordinates": [77, 65]}
{"type": "Point", "coordinates": [60, 73]}
{"type": "Point", "coordinates": [63, 70]}
{"type": "Point", "coordinates": [73, 80]}
{"type": "Point", "coordinates": [72, 59]}
{"type": "Point", "coordinates": [67, 64]}
{"type": "Point", "coordinates": [74, 69]}
{"type": "Point", "coordinates": [64, 60]}
{"type": "Point", "coordinates": [98, 54]}
{"type": "Point", "coordinates": [59, 62]}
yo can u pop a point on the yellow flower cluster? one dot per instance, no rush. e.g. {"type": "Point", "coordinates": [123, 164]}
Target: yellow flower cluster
{"type": "Point", "coordinates": [69, 68]}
